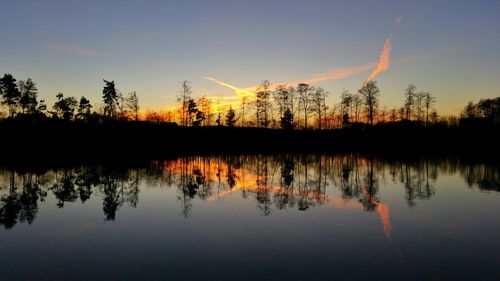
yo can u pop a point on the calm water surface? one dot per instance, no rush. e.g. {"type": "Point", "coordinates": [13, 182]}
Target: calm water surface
{"type": "Point", "coordinates": [292, 217]}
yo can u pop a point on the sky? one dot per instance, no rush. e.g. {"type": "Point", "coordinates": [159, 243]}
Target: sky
{"type": "Point", "coordinates": [447, 47]}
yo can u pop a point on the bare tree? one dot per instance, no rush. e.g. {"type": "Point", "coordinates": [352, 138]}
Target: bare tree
{"type": "Point", "coordinates": [205, 106]}
{"type": "Point", "coordinates": [304, 97]}
{"type": "Point", "coordinates": [370, 93]}
{"type": "Point", "coordinates": [263, 104]}
{"type": "Point", "coordinates": [243, 107]}
{"type": "Point", "coordinates": [184, 95]}
{"type": "Point", "coordinates": [318, 104]}
{"type": "Point", "coordinates": [410, 97]}
{"type": "Point", "coordinates": [393, 116]}
{"type": "Point", "coordinates": [132, 102]}
{"type": "Point", "coordinates": [357, 103]}
{"type": "Point", "coordinates": [419, 106]}
{"type": "Point", "coordinates": [429, 101]}
{"type": "Point", "coordinates": [346, 101]}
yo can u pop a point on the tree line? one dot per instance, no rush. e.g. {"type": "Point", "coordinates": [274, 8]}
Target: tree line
{"type": "Point", "coordinates": [272, 106]}
{"type": "Point", "coordinates": [22, 101]}
{"type": "Point", "coordinates": [305, 107]}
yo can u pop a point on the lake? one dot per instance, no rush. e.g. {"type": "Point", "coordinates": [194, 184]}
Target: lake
{"type": "Point", "coordinates": [253, 217]}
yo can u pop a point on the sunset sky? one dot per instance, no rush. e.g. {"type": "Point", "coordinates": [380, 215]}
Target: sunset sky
{"type": "Point", "coordinates": [450, 48]}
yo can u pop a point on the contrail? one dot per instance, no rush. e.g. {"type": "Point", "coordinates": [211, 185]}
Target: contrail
{"type": "Point", "coordinates": [333, 74]}
{"type": "Point", "coordinates": [337, 74]}
{"type": "Point", "coordinates": [242, 92]}
{"type": "Point", "coordinates": [385, 59]}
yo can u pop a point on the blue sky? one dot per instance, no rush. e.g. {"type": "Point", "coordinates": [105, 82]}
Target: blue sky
{"type": "Point", "coordinates": [447, 47]}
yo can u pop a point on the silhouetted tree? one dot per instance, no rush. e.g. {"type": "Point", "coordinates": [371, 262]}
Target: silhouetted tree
{"type": "Point", "coordinates": [357, 103]}
{"type": "Point", "coordinates": [346, 105]}
{"type": "Point", "coordinates": [283, 98]}
{"type": "Point", "coordinates": [10, 93]}
{"type": "Point", "coordinates": [345, 120]}
{"type": "Point", "coordinates": [287, 120]}
{"type": "Point", "coordinates": [192, 109]}
{"type": "Point", "coordinates": [410, 98]}
{"type": "Point", "coordinates": [204, 110]}
{"type": "Point", "coordinates": [429, 101]}
{"type": "Point", "coordinates": [84, 107]}
{"type": "Point", "coordinates": [121, 107]}
{"type": "Point", "coordinates": [132, 102]}
{"type": "Point", "coordinates": [110, 99]}
{"type": "Point", "coordinates": [230, 117]}
{"type": "Point", "coordinates": [263, 104]}
{"type": "Point", "coordinates": [42, 108]}
{"type": "Point", "coordinates": [243, 107]}
{"type": "Point", "coordinates": [489, 109]}
{"type": "Point", "coordinates": [470, 110]}
{"type": "Point", "coordinates": [199, 118]}
{"type": "Point", "coordinates": [318, 104]}
{"type": "Point", "coordinates": [218, 121]}
{"type": "Point", "coordinates": [65, 107]}
{"type": "Point", "coordinates": [304, 96]}
{"type": "Point", "coordinates": [370, 93]}
{"type": "Point", "coordinates": [393, 115]}
{"type": "Point", "coordinates": [184, 96]}
{"type": "Point", "coordinates": [28, 100]}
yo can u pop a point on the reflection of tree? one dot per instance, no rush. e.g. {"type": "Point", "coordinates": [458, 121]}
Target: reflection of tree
{"type": "Point", "coordinates": [86, 178]}
{"type": "Point", "coordinates": [370, 190]}
{"type": "Point", "coordinates": [273, 182]}
{"type": "Point", "coordinates": [417, 182]}
{"type": "Point", "coordinates": [484, 176]}
{"type": "Point", "coordinates": [284, 197]}
{"type": "Point", "coordinates": [118, 187]}
{"type": "Point", "coordinates": [263, 194]}
{"type": "Point", "coordinates": [30, 196]}
{"type": "Point", "coordinates": [24, 205]}
{"type": "Point", "coordinates": [10, 208]}
{"type": "Point", "coordinates": [64, 189]}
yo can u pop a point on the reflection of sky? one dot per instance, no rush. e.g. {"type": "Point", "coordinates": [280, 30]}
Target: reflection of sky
{"type": "Point", "coordinates": [456, 228]}
{"type": "Point", "coordinates": [149, 47]}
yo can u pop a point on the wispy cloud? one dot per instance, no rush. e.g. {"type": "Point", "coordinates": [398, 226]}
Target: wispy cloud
{"type": "Point", "coordinates": [75, 50]}
{"type": "Point", "coordinates": [331, 75]}
{"type": "Point", "coordinates": [337, 73]}
{"type": "Point", "coordinates": [424, 56]}
{"type": "Point", "coordinates": [385, 59]}
{"type": "Point", "coordinates": [242, 92]}
{"type": "Point", "coordinates": [399, 19]}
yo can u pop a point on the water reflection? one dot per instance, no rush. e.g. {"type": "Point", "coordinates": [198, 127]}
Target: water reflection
{"type": "Point", "coordinates": [273, 182]}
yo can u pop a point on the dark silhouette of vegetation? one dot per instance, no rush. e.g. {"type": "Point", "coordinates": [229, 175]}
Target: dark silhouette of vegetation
{"type": "Point", "coordinates": [10, 93]}
{"type": "Point", "coordinates": [263, 105]}
{"type": "Point", "coordinates": [287, 120]}
{"type": "Point", "coordinates": [110, 99]}
{"type": "Point", "coordinates": [64, 108]}
{"type": "Point", "coordinates": [275, 182]}
{"type": "Point", "coordinates": [355, 124]}
{"type": "Point", "coordinates": [184, 98]}
{"type": "Point", "coordinates": [370, 93]}
{"type": "Point", "coordinates": [84, 109]}
{"type": "Point", "coordinates": [230, 118]}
